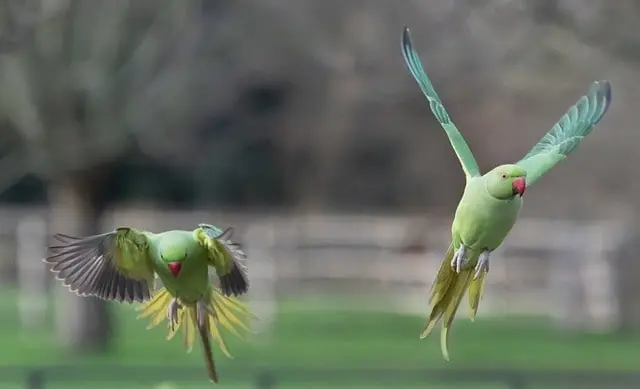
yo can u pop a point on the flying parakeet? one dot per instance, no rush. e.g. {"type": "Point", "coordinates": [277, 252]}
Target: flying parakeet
{"type": "Point", "coordinates": [491, 202]}
{"type": "Point", "coordinates": [123, 265]}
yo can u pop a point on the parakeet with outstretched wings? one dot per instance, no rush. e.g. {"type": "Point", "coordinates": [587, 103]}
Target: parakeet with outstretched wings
{"type": "Point", "coordinates": [123, 265]}
{"type": "Point", "coordinates": [491, 202]}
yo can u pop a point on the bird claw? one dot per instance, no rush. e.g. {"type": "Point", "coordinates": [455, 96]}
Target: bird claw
{"type": "Point", "coordinates": [459, 258]}
{"type": "Point", "coordinates": [483, 264]}
{"type": "Point", "coordinates": [174, 307]}
{"type": "Point", "coordinates": [202, 313]}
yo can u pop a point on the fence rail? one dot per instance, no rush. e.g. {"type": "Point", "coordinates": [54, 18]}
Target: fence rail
{"type": "Point", "coordinates": [555, 268]}
{"type": "Point", "coordinates": [41, 377]}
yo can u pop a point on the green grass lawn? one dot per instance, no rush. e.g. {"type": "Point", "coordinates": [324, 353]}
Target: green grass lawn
{"type": "Point", "coordinates": [313, 340]}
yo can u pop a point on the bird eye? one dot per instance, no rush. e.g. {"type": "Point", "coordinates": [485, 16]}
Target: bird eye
{"type": "Point", "coordinates": [504, 176]}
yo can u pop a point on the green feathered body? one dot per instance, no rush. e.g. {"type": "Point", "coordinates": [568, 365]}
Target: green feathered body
{"type": "Point", "coordinates": [482, 222]}
{"type": "Point", "coordinates": [192, 283]}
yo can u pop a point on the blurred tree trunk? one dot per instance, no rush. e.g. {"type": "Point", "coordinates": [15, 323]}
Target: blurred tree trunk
{"type": "Point", "coordinates": [83, 323]}
{"type": "Point", "coordinates": [84, 84]}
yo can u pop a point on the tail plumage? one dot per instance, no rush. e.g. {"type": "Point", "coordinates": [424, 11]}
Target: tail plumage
{"type": "Point", "coordinates": [476, 287]}
{"type": "Point", "coordinates": [446, 294]}
{"type": "Point", "coordinates": [223, 311]}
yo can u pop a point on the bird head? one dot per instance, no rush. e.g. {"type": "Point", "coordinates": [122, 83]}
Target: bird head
{"type": "Point", "coordinates": [505, 182]}
{"type": "Point", "coordinates": [173, 256]}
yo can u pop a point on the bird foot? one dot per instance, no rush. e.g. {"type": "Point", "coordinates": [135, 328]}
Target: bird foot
{"type": "Point", "coordinates": [202, 312]}
{"type": "Point", "coordinates": [174, 307]}
{"type": "Point", "coordinates": [459, 258]}
{"type": "Point", "coordinates": [482, 267]}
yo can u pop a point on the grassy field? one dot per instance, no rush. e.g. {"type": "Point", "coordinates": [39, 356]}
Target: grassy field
{"type": "Point", "coordinates": [302, 341]}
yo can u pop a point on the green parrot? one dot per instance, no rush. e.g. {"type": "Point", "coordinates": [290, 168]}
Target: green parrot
{"type": "Point", "coordinates": [123, 265]}
{"type": "Point", "coordinates": [491, 202]}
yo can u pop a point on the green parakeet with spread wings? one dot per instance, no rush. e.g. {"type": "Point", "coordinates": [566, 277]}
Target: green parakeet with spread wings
{"type": "Point", "coordinates": [491, 202]}
{"type": "Point", "coordinates": [123, 265]}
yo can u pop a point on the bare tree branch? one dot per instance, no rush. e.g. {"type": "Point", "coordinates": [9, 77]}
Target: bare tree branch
{"type": "Point", "coordinates": [103, 73]}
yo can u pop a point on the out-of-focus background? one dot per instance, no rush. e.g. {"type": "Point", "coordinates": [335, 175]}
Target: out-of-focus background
{"type": "Point", "coordinates": [298, 123]}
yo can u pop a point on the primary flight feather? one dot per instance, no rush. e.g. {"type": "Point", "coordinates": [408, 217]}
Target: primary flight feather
{"type": "Point", "coordinates": [491, 202]}
{"type": "Point", "coordinates": [123, 265]}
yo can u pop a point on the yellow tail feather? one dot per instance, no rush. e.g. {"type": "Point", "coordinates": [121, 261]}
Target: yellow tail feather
{"type": "Point", "coordinates": [476, 287]}
{"type": "Point", "coordinates": [446, 295]}
{"type": "Point", "coordinates": [443, 278]}
{"type": "Point", "coordinates": [224, 311]}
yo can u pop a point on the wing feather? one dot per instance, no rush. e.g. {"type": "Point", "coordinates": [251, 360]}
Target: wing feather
{"type": "Point", "coordinates": [460, 146]}
{"type": "Point", "coordinates": [565, 136]}
{"type": "Point", "coordinates": [226, 257]}
{"type": "Point", "coordinates": [110, 266]}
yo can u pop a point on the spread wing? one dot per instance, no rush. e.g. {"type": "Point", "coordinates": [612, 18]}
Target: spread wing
{"type": "Point", "coordinates": [460, 146]}
{"type": "Point", "coordinates": [111, 266]}
{"type": "Point", "coordinates": [568, 132]}
{"type": "Point", "coordinates": [225, 257]}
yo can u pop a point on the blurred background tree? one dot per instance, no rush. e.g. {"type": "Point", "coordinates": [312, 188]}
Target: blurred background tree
{"type": "Point", "coordinates": [87, 84]}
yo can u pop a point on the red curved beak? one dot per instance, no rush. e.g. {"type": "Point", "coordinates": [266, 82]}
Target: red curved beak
{"type": "Point", "coordinates": [174, 268]}
{"type": "Point", "coordinates": [519, 186]}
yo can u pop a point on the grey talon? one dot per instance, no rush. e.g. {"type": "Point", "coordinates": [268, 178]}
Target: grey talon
{"type": "Point", "coordinates": [174, 307]}
{"type": "Point", "coordinates": [459, 258]}
{"type": "Point", "coordinates": [483, 264]}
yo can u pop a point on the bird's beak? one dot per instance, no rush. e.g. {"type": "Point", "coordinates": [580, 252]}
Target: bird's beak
{"type": "Point", "coordinates": [174, 268]}
{"type": "Point", "coordinates": [519, 186]}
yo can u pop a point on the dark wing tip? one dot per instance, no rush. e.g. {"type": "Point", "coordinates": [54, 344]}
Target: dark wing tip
{"type": "Point", "coordinates": [235, 283]}
{"type": "Point", "coordinates": [406, 38]}
{"type": "Point", "coordinates": [226, 234]}
{"type": "Point", "coordinates": [215, 232]}
{"type": "Point", "coordinates": [602, 89]}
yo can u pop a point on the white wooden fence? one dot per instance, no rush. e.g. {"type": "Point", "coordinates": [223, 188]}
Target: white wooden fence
{"type": "Point", "coordinates": [558, 269]}
{"type": "Point", "coordinates": [548, 268]}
